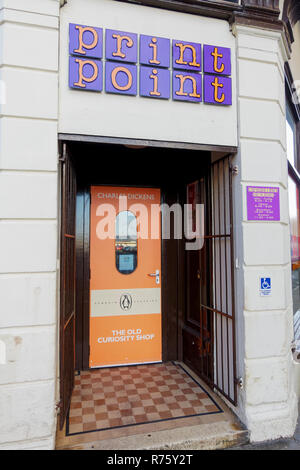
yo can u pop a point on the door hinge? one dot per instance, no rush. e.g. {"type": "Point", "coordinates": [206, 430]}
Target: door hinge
{"type": "Point", "coordinates": [239, 382]}
{"type": "Point", "coordinates": [234, 169]}
{"type": "Point", "coordinates": [58, 406]}
{"type": "Point", "coordinates": [63, 155]}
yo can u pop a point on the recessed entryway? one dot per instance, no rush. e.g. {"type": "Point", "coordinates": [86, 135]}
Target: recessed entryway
{"type": "Point", "coordinates": [142, 302]}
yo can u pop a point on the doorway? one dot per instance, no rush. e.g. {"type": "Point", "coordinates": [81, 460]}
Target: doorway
{"type": "Point", "coordinates": [194, 289]}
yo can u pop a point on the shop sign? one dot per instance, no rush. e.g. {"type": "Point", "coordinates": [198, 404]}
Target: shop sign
{"type": "Point", "coordinates": [263, 203]}
{"type": "Point", "coordinates": [148, 66]}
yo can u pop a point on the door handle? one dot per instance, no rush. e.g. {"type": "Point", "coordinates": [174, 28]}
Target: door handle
{"type": "Point", "coordinates": [156, 275]}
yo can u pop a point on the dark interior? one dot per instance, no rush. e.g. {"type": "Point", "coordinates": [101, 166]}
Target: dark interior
{"type": "Point", "coordinates": [184, 323]}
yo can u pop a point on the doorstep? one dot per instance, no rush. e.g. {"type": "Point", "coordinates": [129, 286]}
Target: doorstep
{"type": "Point", "coordinates": [110, 411]}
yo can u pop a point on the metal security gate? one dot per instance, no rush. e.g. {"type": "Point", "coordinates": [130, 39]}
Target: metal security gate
{"type": "Point", "coordinates": [208, 332]}
{"type": "Point", "coordinates": [223, 300]}
{"type": "Point", "coordinates": [67, 283]}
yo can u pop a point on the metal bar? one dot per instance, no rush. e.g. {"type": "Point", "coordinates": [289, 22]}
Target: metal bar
{"type": "Point", "coordinates": [219, 312]}
{"type": "Point", "coordinates": [207, 246]}
{"type": "Point", "coordinates": [220, 263]}
{"type": "Point", "coordinates": [215, 271]}
{"type": "Point", "coordinates": [232, 285]}
{"type": "Point", "coordinates": [228, 397]}
{"type": "Point", "coordinates": [226, 280]}
{"type": "Point", "coordinates": [217, 236]}
{"type": "Point", "coordinates": [200, 196]}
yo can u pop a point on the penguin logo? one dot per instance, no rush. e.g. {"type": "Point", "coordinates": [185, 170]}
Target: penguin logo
{"type": "Point", "coordinates": [125, 301]}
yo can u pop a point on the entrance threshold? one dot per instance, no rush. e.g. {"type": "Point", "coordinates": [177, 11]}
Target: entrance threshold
{"type": "Point", "coordinates": [155, 406]}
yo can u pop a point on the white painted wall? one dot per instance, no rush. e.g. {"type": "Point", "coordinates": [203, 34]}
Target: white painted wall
{"type": "Point", "coordinates": [28, 180]}
{"type": "Point", "coordinates": [269, 400]}
{"type": "Point", "coordinates": [28, 221]}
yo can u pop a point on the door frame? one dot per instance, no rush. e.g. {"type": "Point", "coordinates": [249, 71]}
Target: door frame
{"type": "Point", "coordinates": [82, 248]}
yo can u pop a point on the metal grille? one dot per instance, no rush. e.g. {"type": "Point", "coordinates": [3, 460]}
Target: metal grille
{"type": "Point", "coordinates": [67, 281]}
{"type": "Point", "coordinates": [223, 304]}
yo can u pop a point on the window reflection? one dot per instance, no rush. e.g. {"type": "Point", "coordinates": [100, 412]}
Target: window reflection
{"type": "Point", "coordinates": [290, 137]}
{"type": "Point", "coordinates": [295, 252]}
{"type": "Point", "coordinates": [126, 242]}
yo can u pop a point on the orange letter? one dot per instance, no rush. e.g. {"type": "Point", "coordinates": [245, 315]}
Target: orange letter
{"type": "Point", "coordinates": [82, 30]}
{"type": "Point", "coordinates": [119, 39]}
{"type": "Point", "coordinates": [114, 78]}
{"type": "Point", "coordinates": [216, 55]}
{"type": "Point", "coordinates": [182, 79]}
{"type": "Point", "coordinates": [183, 47]}
{"type": "Point", "coordinates": [82, 63]}
{"type": "Point", "coordinates": [155, 92]}
{"type": "Point", "coordinates": [218, 85]}
{"type": "Point", "coordinates": [154, 45]}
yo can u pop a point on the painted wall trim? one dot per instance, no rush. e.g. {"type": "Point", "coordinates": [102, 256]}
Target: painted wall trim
{"type": "Point", "coordinates": [146, 143]}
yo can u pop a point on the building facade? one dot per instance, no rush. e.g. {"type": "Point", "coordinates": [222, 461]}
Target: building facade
{"type": "Point", "coordinates": [186, 98]}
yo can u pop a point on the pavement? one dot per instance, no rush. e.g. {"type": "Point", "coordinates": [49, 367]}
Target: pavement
{"type": "Point", "coordinates": [292, 443]}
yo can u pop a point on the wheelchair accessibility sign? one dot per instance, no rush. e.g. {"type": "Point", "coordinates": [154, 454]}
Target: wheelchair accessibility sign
{"type": "Point", "coordinates": [265, 287]}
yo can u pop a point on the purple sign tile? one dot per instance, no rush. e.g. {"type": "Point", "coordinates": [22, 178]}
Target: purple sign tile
{"type": "Point", "coordinates": [263, 203]}
{"type": "Point", "coordinates": [154, 83]}
{"type": "Point", "coordinates": [217, 90]}
{"type": "Point", "coordinates": [154, 51]}
{"type": "Point", "coordinates": [216, 60]}
{"type": "Point", "coordinates": [121, 46]}
{"type": "Point", "coordinates": [85, 41]}
{"type": "Point", "coordinates": [187, 86]}
{"type": "Point", "coordinates": [120, 78]}
{"type": "Point", "coordinates": [85, 74]}
{"type": "Point", "coordinates": [186, 55]}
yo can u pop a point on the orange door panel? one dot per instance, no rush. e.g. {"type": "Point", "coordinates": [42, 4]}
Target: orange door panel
{"type": "Point", "coordinates": [125, 284]}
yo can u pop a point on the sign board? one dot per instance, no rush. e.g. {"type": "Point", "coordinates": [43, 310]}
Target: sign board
{"type": "Point", "coordinates": [263, 203]}
{"type": "Point", "coordinates": [265, 286]}
{"type": "Point", "coordinates": [137, 72]}
{"type": "Point", "coordinates": [195, 67]}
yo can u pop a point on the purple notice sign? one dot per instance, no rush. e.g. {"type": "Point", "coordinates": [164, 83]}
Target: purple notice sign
{"type": "Point", "coordinates": [154, 83]}
{"type": "Point", "coordinates": [85, 41]}
{"type": "Point", "coordinates": [120, 78]}
{"type": "Point", "coordinates": [216, 60]}
{"type": "Point", "coordinates": [186, 55]}
{"type": "Point", "coordinates": [154, 51]}
{"type": "Point", "coordinates": [217, 90]}
{"type": "Point", "coordinates": [263, 203]}
{"type": "Point", "coordinates": [121, 46]}
{"type": "Point", "coordinates": [85, 74]}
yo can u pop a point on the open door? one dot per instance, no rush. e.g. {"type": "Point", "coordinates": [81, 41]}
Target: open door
{"type": "Point", "coordinates": [198, 329]}
{"type": "Point", "coordinates": [209, 323]}
{"type": "Point", "coordinates": [67, 283]}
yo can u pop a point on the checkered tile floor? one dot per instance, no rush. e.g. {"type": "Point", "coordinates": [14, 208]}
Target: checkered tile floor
{"type": "Point", "coordinates": [126, 396]}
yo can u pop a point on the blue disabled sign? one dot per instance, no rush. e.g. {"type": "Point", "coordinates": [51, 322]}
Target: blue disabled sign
{"type": "Point", "coordinates": [265, 287]}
